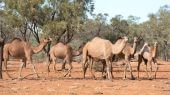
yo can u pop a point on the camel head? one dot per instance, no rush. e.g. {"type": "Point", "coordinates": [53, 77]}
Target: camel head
{"type": "Point", "coordinates": [125, 38]}
{"type": "Point", "coordinates": [135, 39]}
{"type": "Point", "coordinates": [145, 44]}
{"type": "Point", "coordinates": [76, 52]}
{"type": "Point", "coordinates": [41, 46]}
{"type": "Point", "coordinates": [155, 44]}
{"type": "Point", "coordinates": [46, 40]}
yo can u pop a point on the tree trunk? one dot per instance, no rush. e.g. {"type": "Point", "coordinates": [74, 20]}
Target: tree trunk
{"type": "Point", "coordinates": [1, 57]}
{"type": "Point", "coordinates": [165, 48]}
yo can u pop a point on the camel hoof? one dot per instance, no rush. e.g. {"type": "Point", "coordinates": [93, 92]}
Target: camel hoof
{"type": "Point", "coordinates": [20, 78]}
{"type": "Point", "coordinates": [69, 77]}
{"type": "Point", "coordinates": [154, 77]}
{"type": "Point", "coordinates": [104, 77]}
{"type": "Point", "coordinates": [124, 78]}
{"type": "Point", "coordinates": [65, 75]}
{"type": "Point", "coordinates": [111, 80]}
{"type": "Point", "coordinates": [63, 70]}
{"type": "Point", "coordinates": [132, 78]}
{"type": "Point", "coordinates": [150, 78]}
{"type": "Point", "coordinates": [94, 78]}
{"type": "Point", "coordinates": [38, 76]}
{"type": "Point", "coordinates": [138, 79]}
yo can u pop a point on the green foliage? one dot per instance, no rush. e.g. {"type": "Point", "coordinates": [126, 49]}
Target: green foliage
{"type": "Point", "coordinates": [67, 21]}
{"type": "Point", "coordinates": [55, 29]}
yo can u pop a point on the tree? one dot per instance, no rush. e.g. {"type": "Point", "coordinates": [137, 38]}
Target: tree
{"type": "Point", "coordinates": [68, 13]}
{"type": "Point", "coordinates": [119, 26]}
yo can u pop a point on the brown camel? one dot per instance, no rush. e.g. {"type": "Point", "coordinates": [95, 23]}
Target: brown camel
{"type": "Point", "coordinates": [20, 49]}
{"type": "Point", "coordinates": [148, 55]}
{"type": "Point", "coordinates": [128, 53]}
{"type": "Point", "coordinates": [101, 49]}
{"type": "Point", "coordinates": [61, 51]}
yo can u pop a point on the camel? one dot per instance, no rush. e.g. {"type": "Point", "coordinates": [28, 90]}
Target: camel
{"type": "Point", "coordinates": [148, 55]}
{"type": "Point", "coordinates": [18, 48]}
{"type": "Point", "coordinates": [61, 51]}
{"type": "Point", "coordinates": [128, 53]}
{"type": "Point", "coordinates": [102, 49]}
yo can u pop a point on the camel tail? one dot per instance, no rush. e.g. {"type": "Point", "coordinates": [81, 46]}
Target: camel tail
{"type": "Point", "coordinates": [85, 54]}
{"type": "Point", "coordinates": [48, 53]}
{"type": "Point", "coordinates": [48, 59]}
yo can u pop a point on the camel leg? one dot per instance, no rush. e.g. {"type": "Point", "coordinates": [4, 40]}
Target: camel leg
{"type": "Point", "coordinates": [54, 62]}
{"type": "Point", "coordinates": [48, 68]}
{"type": "Point", "coordinates": [156, 67]}
{"type": "Point", "coordinates": [24, 60]}
{"type": "Point", "coordinates": [22, 65]}
{"type": "Point", "coordinates": [150, 69]}
{"type": "Point", "coordinates": [63, 65]}
{"type": "Point", "coordinates": [71, 67]}
{"type": "Point", "coordinates": [91, 68]}
{"type": "Point", "coordinates": [33, 66]}
{"type": "Point", "coordinates": [139, 63]}
{"type": "Point", "coordinates": [103, 71]}
{"type": "Point", "coordinates": [84, 66]}
{"type": "Point", "coordinates": [146, 69]}
{"type": "Point", "coordinates": [138, 69]}
{"type": "Point", "coordinates": [109, 67]}
{"type": "Point", "coordinates": [69, 70]}
{"type": "Point", "coordinates": [111, 70]}
{"type": "Point", "coordinates": [125, 69]}
{"type": "Point", "coordinates": [130, 68]}
{"type": "Point", "coordinates": [5, 65]}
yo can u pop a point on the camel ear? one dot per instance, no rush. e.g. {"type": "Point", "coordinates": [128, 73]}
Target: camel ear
{"type": "Point", "coordinates": [119, 38]}
{"type": "Point", "coordinates": [126, 38]}
{"type": "Point", "coordinates": [156, 43]}
{"type": "Point", "coordinates": [50, 39]}
{"type": "Point", "coordinates": [146, 44]}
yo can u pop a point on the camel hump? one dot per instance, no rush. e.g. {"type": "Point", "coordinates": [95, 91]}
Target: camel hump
{"type": "Point", "coordinates": [60, 44]}
{"type": "Point", "coordinates": [97, 39]}
{"type": "Point", "coordinates": [16, 39]}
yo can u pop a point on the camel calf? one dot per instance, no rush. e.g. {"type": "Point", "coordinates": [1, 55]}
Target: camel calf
{"type": "Point", "coordinates": [148, 55]}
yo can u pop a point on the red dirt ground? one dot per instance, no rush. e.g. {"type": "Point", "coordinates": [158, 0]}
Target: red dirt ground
{"type": "Point", "coordinates": [55, 84]}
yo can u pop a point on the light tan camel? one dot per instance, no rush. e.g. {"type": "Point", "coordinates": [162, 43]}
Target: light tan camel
{"type": "Point", "coordinates": [128, 53]}
{"type": "Point", "coordinates": [61, 51]}
{"type": "Point", "coordinates": [148, 55]}
{"type": "Point", "coordinates": [20, 49]}
{"type": "Point", "coordinates": [101, 49]}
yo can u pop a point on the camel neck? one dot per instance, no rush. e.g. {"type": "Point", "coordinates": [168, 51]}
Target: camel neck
{"type": "Point", "coordinates": [134, 48]}
{"type": "Point", "coordinates": [154, 51]}
{"type": "Point", "coordinates": [118, 47]}
{"type": "Point", "coordinates": [39, 48]}
{"type": "Point", "coordinates": [142, 49]}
